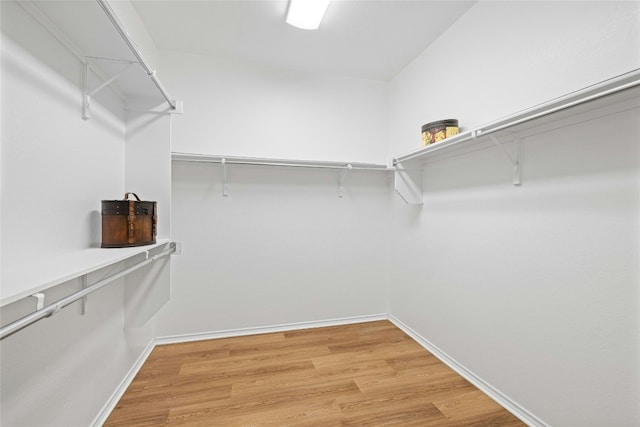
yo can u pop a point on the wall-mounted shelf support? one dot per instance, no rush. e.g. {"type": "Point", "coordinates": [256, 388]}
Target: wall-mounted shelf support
{"type": "Point", "coordinates": [87, 94]}
{"type": "Point", "coordinates": [514, 160]}
{"type": "Point", "coordinates": [44, 20]}
{"type": "Point", "coordinates": [225, 188]}
{"type": "Point", "coordinates": [46, 23]}
{"type": "Point", "coordinates": [106, 8]}
{"type": "Point", "coordinates": [342, 178]}
{"type": "Point", "coordinates": [85, 285]}
{"type": "Point", "coordinates": [408, 183]}
{"type": "Point", "coordinates": [39, 300]}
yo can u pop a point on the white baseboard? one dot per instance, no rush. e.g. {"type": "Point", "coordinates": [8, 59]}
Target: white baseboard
{"type": "Point", "coordinates": [106, 410]}
{"type": "Point", "coordinates": [104, 413]}
{"type": "Point", "coordinates": [173, 339]}
{"type": "Point", "coordinates": [483, 386]}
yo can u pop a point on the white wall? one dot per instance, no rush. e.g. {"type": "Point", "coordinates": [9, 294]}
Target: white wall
{"type": "Point", "coordinates": [282, 248]}
{"type": "Point", "coordinates": [502, 57]}
{"type": "Point", "coordinates": [234, 108]}
{"type": "Point", "coordinates": [56, 168]}
{"type": "Point", "coordinates": [533, 289]}
{"type": "Point", "coordinates": [148, 174]}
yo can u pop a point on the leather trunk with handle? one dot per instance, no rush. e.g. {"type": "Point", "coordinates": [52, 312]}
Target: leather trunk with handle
{"type": "Point", "coordinates": [128, 222]}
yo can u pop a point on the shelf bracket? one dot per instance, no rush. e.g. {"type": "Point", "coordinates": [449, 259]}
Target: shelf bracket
{"type": "Point", "coordinates": [408, 183]}
{"type": "Point", "coordinates": [518, 161]}
{"type": "Point", "coordinates": [514, 160]}
{"type": "Point", "coordinates": [83, 306]}
{"type": "Point", "coordinates": [225, 189]}
{"type": "Point", "coordinates": [40, 300]}
{"type": "Point", "coordinates": [342, 178]}
{"type": "Point", "coordinates": [87, 93]}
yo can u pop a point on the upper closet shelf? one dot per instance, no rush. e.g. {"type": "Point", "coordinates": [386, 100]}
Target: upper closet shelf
{"type": "Point", "coordinates": [93, 32]}
{"type": "Point", "coordinates": [233, 160]}
{"type": "Point", "coordinates": [344, 167]}
{"type": "Point", "coordinates": [608, 97]}
{"type": "Point", "coordinates": [20, 281]}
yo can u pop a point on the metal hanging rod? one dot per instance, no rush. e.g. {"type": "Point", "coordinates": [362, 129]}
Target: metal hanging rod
{"type": "Point", "coordinates": [205, 158]}
{"type": "Point", "coordinates": [104, 5]}
{"type": "Point", "coordinates": [53, 308]}
{"type": "Point", "coordinates": [600, 90]}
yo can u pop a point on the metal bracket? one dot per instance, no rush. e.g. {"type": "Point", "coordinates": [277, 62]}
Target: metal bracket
{"type": "Point", "coordinates": [225, 189]}
{"type": "Point", "coordinates": [87, 94]}
{"type": "Point", "coordinates": [56, 309]}
{"type": "Point", "coordinates": [40, 300]}
{"type": "Point", "coordinates": [515, 160]}
{"type": "Point", "coordinates": [83, 304]}
{"type": "Point", "coordinates": [407, 183]}
{"type": "Point", "coordinates": [178, 246]}
{"type": "Point", "coordinates": [342, 178]}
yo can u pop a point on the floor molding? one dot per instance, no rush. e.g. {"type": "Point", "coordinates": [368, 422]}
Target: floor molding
{"type": "Point", "coordinates": [113, 400]}
{"type": "Point", "coordinates": [173, 339]}
{"type": "Point", "coordinates": [483, 386]}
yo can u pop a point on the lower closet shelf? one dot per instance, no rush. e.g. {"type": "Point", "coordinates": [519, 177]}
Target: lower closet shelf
{"type": "Point", "coordinates": [20, 281]}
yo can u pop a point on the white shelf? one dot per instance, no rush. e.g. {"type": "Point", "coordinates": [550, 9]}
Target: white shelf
{"type": "Point", "coordinates": [20, 281]}
{"type": "Point", "coordinates": [321, 164]}
{"type": "Point", "coordinates": [608, 97]}
{"type": "Point", "coordinates": [343, 167]}
{"type": "Point", "coordinates": [93, 36]}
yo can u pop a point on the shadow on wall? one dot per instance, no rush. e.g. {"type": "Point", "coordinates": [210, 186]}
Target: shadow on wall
{"type": "Point", "coordinates": [94, 222]}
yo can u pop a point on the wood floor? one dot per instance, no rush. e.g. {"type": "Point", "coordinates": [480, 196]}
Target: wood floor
{"type": "Point", "coordinates": [366, 374]}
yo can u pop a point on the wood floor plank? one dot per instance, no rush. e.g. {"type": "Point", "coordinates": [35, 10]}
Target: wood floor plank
{"type": "Point", "coordinates": [393, 410]}
{"type": "Point", "coordinates": [367, 374]}
{"type": "Point", "coordinates": [258, 407]}
{"type": "Point", "coordinates": [348, 372]}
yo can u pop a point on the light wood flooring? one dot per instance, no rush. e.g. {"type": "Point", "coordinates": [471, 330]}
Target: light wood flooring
{"type": "Point", "coordinates": [366, 374]}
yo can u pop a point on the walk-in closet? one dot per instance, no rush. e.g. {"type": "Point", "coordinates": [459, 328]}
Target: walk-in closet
{"type": "Point", "coordinates": [417, 213]}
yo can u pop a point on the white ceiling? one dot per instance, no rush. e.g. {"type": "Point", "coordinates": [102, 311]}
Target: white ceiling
{"type": "Point", "coordinates": [371, 39]}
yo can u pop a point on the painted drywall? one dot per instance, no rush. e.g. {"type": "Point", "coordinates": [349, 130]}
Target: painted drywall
{"type": "Point", "coordinates": [148, 174]}
{"type": "Point", "coordinates": [282, 247]}
{"type": "Point", "coordinates": [148, 158]}
{"type": "Point", "coordinates": [533, 289]}
{"type": "Point", "coordinates": [56, 168]}
{"type": "Point", "coordinates": [503, 57]}
{"type": "Point", "coordinates": [55, 165]}
{"type": "Point", "coordinates": [239, 109]}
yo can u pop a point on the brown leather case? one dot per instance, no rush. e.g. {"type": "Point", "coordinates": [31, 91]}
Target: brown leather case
{"type": "Point", "coordinates": [128, 222]}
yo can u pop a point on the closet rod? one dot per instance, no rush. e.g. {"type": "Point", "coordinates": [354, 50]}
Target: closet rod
{"type": "Point", "coordinates": [134, 49]}
{"type": "Point", "coordinates": [53, 308]}
{"type": "Point", "coordinates": [184, 157]}
{"type": "Point", "coordinates": [599, 90]}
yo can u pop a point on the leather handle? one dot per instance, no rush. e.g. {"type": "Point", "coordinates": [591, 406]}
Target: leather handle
{"type": "Point", "coordinates": [126, 196]}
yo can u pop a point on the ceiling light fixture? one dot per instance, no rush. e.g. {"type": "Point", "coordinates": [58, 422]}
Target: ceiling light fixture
{"type": "Point", "coordinates": [306, 14]}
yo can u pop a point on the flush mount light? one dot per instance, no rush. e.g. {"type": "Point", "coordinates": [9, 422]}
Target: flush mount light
{"type": "Point", "coordinates": [306, 14]}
